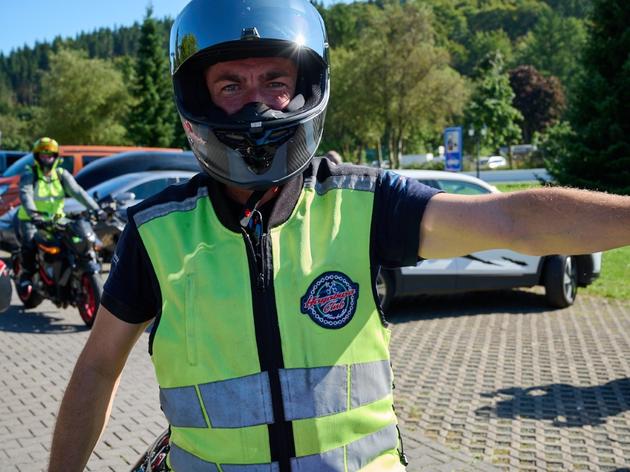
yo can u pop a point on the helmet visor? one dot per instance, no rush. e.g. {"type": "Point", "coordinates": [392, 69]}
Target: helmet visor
{"type": "Point", "coordinates": [293, 21]}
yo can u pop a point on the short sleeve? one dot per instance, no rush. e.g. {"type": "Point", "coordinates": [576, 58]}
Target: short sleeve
{"type": "Point", "coordinates": [132, 291]}
{"type": "Point", "coordinates": [399, 205]}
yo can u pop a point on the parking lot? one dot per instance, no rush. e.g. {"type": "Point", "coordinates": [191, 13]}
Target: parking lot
{"type": "Point", "coordinates": [483, 382]}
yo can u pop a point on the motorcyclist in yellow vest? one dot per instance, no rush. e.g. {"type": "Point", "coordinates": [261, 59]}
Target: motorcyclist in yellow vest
{"type": "Point", "coordinates": [269, 347]}
{"type": "Point", "coordinates": [43, 188]}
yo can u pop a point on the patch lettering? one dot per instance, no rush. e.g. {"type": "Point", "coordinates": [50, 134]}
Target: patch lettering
{"type": "Point", "coordinates": [331, 300]}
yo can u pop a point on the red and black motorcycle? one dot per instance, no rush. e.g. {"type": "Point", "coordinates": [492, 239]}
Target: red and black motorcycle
{"type": "Point", "coordinates": [67, 266]}
{"type": "Point", "coordinates": [6, 290]}
{"type": "Point", "coordinates": [154, 459]}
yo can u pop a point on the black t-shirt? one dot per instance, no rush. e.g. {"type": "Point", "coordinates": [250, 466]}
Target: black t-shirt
{"type": "Point", "coordinates": [132, 292]}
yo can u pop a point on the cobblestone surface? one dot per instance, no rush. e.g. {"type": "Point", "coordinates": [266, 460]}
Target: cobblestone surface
{"type": "Point", "coordinates": [500, 378]}
{"type": "Point", "coordinates": [501, 384]}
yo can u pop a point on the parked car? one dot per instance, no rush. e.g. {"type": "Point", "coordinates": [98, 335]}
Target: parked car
{"type": "Point", "coordinates": [561, 275]}
{"type": "Point", "coordinates": [121, 192]}
{"type": "Point", "coordinates": [9, 157]}
{"type": "Point", "coordinates": [492, 162]}
{"type": "Point", "coordinates": [136, 161]}
{"type": "Point", "coordinates": [74, 158]}
{"type": "Point", "coordinates": [131, 188]}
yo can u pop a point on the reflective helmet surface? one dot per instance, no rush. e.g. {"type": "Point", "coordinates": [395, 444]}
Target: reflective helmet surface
{"type": "Point", "coordinates": [255, 148]}
{"type": "Point", "coordinates": [46, 152]}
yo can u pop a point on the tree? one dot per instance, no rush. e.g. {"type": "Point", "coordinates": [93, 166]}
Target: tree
{"type": "Point", "coordinates": [83, 101]}
{"type": "Point", "coordinates": [152, 117]}
{"type": "Point", "coordinates": [539, 99]}
{"type": "Point", "coordinates": [516, 18]}
{"type": "Point", "coordinates": [597, 152]}
{"type": "Point", "coordinates": [485, 44]}
{"type": "Point", "coordinates": [576, 8]}
{"type": "Point", "coordinates": [491, 107]}
{"type": "Point", "coordinates": [14, 124]}
{"type": "Point", "coordinates": [552, 47]}
{"type": "Point", "coordinates": [397, 81]}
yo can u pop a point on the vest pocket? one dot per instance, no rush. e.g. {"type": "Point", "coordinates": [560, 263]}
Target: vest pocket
{"type": "Point", "coordinates": [191, 331]}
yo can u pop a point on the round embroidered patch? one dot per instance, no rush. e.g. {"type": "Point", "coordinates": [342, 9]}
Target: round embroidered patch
{"type": "Point", "coordinates": [331, 300]}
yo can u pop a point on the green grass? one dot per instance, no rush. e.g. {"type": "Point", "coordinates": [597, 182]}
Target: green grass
{"type": "Point", "coordinates": [516, 186]}
{"type": "Point", "coordinates": [614, 281]}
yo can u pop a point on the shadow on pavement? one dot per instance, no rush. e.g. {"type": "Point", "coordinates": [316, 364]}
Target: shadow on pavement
{"type": "Point", "coordinates": [565, 406]}
{"type": "Point", "coordinates": [16, 320]}
{"type": "Point", "coordinates": [466, 304]}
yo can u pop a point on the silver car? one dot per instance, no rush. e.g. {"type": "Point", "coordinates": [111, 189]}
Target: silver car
{"type": "Point", "coordinates": [561, 275]}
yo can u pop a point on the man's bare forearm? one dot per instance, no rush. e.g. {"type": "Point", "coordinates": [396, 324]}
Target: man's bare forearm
{"type": "Point", "coordinates": [569, 221]}
{"type": "Point", "coordinates": [538, 222]}
{"type": "Point", "coordinates": [82, 417]}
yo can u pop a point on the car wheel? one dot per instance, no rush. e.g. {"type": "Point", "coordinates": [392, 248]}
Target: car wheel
{"type": "Point", "coordinates": [385, 290]}
{"type": "Point", "coordinates": [561, 280]}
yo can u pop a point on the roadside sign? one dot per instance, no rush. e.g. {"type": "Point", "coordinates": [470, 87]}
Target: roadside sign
{"type": "Point", "coordinates": [453, 144]}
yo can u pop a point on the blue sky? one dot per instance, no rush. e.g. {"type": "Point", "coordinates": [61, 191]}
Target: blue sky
{"type": "Point", "coordinates": [22, 22]}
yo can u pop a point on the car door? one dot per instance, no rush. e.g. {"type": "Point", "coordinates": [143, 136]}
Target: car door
{"type": "Point", "coordinates": [498, 268]}
{"type": "Point", "coordinates": [432, 274]}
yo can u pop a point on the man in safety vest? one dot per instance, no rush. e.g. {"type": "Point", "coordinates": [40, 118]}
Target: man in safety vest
{"type": "Point", "coordinates": [269, 346]}
{"type": "Point", "coordinates": [43, 188]}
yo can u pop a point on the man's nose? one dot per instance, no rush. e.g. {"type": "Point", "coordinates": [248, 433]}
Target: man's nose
{"type": "Point", "coordinates": [253, 95]}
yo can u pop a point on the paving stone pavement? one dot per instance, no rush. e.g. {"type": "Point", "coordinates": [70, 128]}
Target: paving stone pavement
{"type": "Point", "coordinates": [501, 384]}
{"type": "Point", "coordinates": [503, 379]}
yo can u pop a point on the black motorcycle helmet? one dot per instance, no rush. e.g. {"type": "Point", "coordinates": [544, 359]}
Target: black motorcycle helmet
{"type": "Point", "coordinates": [255, 148]}
{"type": "Point", "coordinates": [46, 153]}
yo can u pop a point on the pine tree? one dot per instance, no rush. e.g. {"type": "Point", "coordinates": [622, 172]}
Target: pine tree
{"type": "Point", "coordinates": [598, 151]}
{"type": "Point", "coordinates": [491, 109]}
{"type": "Point", "coordinates": [152, 115]}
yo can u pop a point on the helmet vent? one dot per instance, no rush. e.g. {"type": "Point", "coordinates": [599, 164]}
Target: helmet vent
{"type": "Point", "coordinates": [250, 33]}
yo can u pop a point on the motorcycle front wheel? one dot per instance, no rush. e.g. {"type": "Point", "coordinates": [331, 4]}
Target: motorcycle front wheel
{"type": "Point", "coordinates": [89, 297]}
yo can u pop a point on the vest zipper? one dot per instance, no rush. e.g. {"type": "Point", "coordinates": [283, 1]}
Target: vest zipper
{"type": "Point", "coordinates": [281, 442]}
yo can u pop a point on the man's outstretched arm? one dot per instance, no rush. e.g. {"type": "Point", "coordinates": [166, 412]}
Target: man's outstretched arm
{"type": "Point", "coordinates": [87, 401]}
{"type": "Point", "coordinates": [537, 222]}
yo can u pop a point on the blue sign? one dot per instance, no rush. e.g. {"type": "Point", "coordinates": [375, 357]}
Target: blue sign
{"type": "Point", "coordinates": [453, 149]}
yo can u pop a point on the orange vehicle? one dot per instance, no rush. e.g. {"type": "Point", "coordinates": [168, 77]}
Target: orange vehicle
{"type": "Point", "coordinates": [74, 158]}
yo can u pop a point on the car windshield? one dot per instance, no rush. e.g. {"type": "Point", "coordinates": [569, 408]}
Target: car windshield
{"type": "Point", "coordinates": [105, 189]}
{"type": "Point", "coordinates": [456, 186]}
{"type": "Point", "coordinates": [19, 166]}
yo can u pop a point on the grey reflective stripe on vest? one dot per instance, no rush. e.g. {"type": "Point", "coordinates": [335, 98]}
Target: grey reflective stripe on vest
{"type": "Point", "coordinates": [233, 403]}
{"type": "Point", "coordinates": [358, 453]}
{"type": "Point", "coordinates": [273, 467]}
{"type": "Point", "coordinates": [182, 408]}
{"type": "Point", "coordinates": [306, 393]}
{"type": "Point", "coordinates": [183, 461]}
{"type": "Point", "coordinates": [319, 391]}
{"type": "Point", "coordinates": [366, 183]}
{"type": "Point", "coordinates": [329, 461]}
{"type": "Point", "coordinates": [369, 382]}
{"type": "Point", "coordinates": [363, 451]}
{"type": "Point", "coordinates": [157, 211]}
{"type": "Point", "coordinates": [322, 391]}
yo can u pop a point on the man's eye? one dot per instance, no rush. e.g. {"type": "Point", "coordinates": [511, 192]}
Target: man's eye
{"type": "Point", "coordinates": [277, 85]}
{"type": "Point", "coordinates": [230, 88]}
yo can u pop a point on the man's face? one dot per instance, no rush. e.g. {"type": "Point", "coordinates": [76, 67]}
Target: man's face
{"type": "Point", "coordinates": [268, 80]}
{"type": "Point", "coordinates": [46, 158]}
